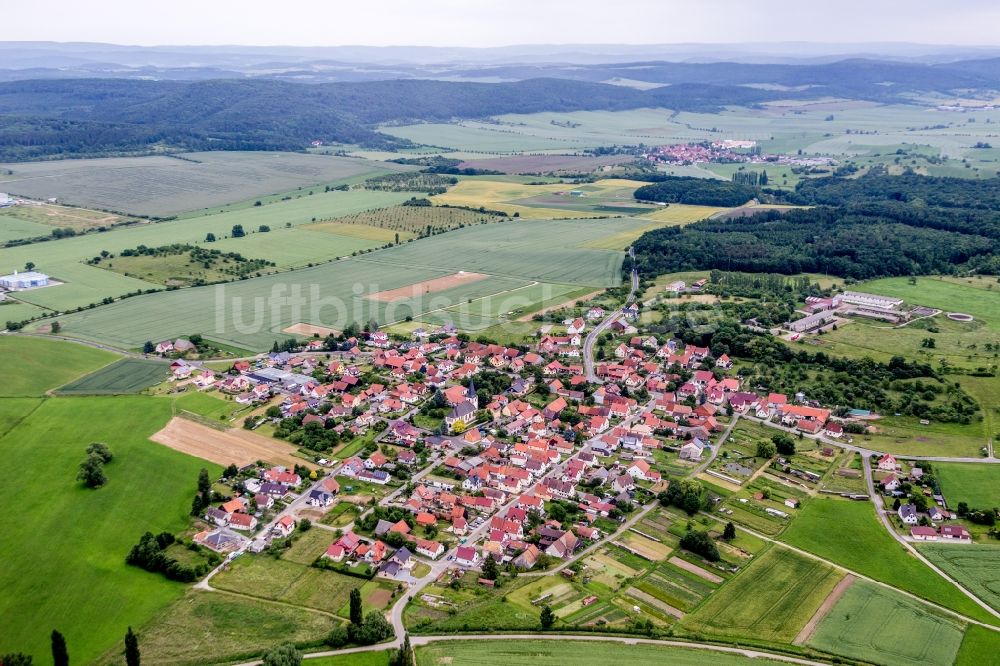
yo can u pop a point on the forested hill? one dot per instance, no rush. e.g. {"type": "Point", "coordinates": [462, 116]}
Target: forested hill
{"type": "Point", "coordinates": [859, 241]}
{"type": "Point", "coordinates": [983, 194]}
{"type": "Point", "coordinates": [44, 118]}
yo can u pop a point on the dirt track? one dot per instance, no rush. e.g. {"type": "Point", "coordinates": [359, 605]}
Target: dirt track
{"type": "Point", "coordinates": [824, 608]}
{"type": "Point", "coordinates": [426, 287]}
{"type": "Point", "coordinates": [225, 446]}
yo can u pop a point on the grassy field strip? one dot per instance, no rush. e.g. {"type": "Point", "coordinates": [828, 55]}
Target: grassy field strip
{"type": "Point", "coordinates": [35, 365]}
{"type": "Point", "coordinates": [810, 628]}
{"type": "Point", "coordinates": [874, 624]}
{"type": "Point", "coordinates": [129, 375]}
{"type": "Point", "coordinates": [952, 613]}
{"type": "Point", "coordinates": [975, 566]}
{"type": "Point", "coordinates": [767, 599]}
{"type": "Point", "coordinates": [979, 485]}
{"type": "Point", "coordinates": [228, 626]}
{"type": "Point", "coordinates": [583, 650]}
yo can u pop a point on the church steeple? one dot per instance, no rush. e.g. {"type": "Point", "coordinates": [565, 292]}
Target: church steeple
{"type": "Point", "coordinates": [471, 395]}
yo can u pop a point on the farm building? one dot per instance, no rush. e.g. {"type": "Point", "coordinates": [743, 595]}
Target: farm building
{"type": "Point", "coordinates": [870, 300]}
{"type": "Point", "coordinates": [811, 322]}
{"type": "Point", "coordinates": [18, 281]}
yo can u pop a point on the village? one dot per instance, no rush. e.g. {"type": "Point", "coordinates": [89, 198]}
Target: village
{"type": "Point", "coordinates": [466, 458]}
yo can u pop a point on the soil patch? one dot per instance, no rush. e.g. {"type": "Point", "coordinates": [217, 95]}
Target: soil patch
{"type": "Point", "coordinates": [695, 569]}
{"type": "Point", "coordinates": [310, 330]}
{"type": "Point", "coordinates": [426, 287]}
{"type": "Point", "coordinates": [223, 447]}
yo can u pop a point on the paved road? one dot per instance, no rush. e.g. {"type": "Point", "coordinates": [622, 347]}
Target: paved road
{"type": "Point", "coordinates": [588, 343]}
{"type": "Point", "coordinates": [877, 500]}
{"type": "Point", "coordinates": [708, 647]}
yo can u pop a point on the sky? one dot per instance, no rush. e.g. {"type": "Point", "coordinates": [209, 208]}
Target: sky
{"type": "Point", "coordinates": [499, 22]}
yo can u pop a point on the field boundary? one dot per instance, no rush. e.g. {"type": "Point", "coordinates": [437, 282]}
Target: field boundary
{"type": "Point", "coordinates": [824, 609]}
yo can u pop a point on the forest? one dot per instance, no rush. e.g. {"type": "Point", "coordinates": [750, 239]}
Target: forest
{"type": "Point", "coordinates": [79, 117]}
{"type": "Point", "coordinates": [860, 241]}
{"type": "Point", "coordinates": [696, 191]}
{"type": "Point", "coordinates": [909, 187]}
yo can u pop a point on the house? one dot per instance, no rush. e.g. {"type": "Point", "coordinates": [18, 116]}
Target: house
{"type": "Point", "coordinates": [924, 533]}
{"type": "Point", "coordinates": [431, 549]}
{"type": "Point", "coordinates": [528, 558]}
{"type": "Point", "coordinates": [284, 527]}
{"type": "Point", "coordinates": [908, 514]}
{"type": "Point", "coordinates": [724, 362]}
{"type": "Point", "coordinates": [221, 540]}
{"type": "Point", "coordinates": [563, 546]}
{"type": "Point", "coordinates": [887, 463]}
{"type": "Point", "coordinates": [833, 429]}
{"type": "Point", "coordinates": [320, 498]}
{"type": "Point", "coordinates": [243, 521]}
{"type": "Point", "coordinates": [691, 450]}
{"type": "Point", "coordinates": [890, 483]}
{"type": "Point", "coordinates": [576, 326]}
{"type": "Point", "coordinates": [956, 533]}
{"type": "Point", "coordinates": [466, 556]}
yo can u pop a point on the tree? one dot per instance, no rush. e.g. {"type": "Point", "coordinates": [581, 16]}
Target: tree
{"type": "Point", "coordinates": [209, 237]}
{"type": "Point", "coordinates": [60, 656]}
{"type": "Point", "coordinates": [404, 655]}
{"type": "Point", "coordinates": [729, 533]}
{"type": "Point", "coordinates": [700, 544]}
{"type": "Point", "coordinates": [263, 228]}
{"type": "Point", "coordinates": [204, 486]}
{"type": "Point", "coordinates": [783, 444]}
{"type": "Point", "coordinates": [356, 609]}
{"type": "Point", "coordinates": [547, 618]}
{"type": "Point", "coordinates": [15, 659]}
{"type": "Point", "coordinates": [29, 266]}
{"type": "Point", "coordinates": [373, 629]}
{"type": "Point", "coordinates": [92, 472]}
{"type": "Point", "coordinates": [766, 449]}
{"type": "Point", "coordinates": [55, 328]}
{"type": "Point", "coordinates": [131, 648]}
{"type": "Point", "coordinates": [148, 347]}
{"type": "Point", "coordinates": [490, 569]}
{"type": "Point", "coordinates": [282, 655]}
{"type": "Point", "coordinates": [237, 231]}
{"type": "Point", "coordinates": [231, 471]}
{"type": "Point", "coordinates": [101, 450]}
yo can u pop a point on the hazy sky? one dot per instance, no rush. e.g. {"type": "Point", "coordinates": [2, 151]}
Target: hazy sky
{"type": "Point", "coordinates": [499, 22]}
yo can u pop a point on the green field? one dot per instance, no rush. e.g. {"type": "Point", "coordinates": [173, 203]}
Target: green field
{"type": "Point", "coordinates": [289, 582]}
{"type": "Point", "coordinates": [568, 651]}
{"type": "Point", "coordinates": [980, 646]}
{"type": "Point", "coordinates": [14, 228]}
{"type": "Point", "coordinates": [767, 600]}
{"type": "Point", "coordinates": [215, 627]}
{"type": "Point", "coordinates": [160, 186]}
{"type": "Point", "coordinates": [975, 566]}
{"type": "Point", "coordinates": [355, 659]}
{"type": "Point", "coordinates": [881, 626]}
{"type": "Point", "coordinates": [64, 547]}
{"type": "Point", "coordinates": [288, 244]}
{"type": "Point", "coordinates": [978, 485]}
{"type": "Point", "coordinates": [849, 534]}
{"type": "Point", "coordinates": [977, 297]}
{"type": "Point", "coordinates": [33, 366]}
{"type": "Point", "coordinates": [129, 375]}
{"type": "Point", "coordinates": [252, 313]}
